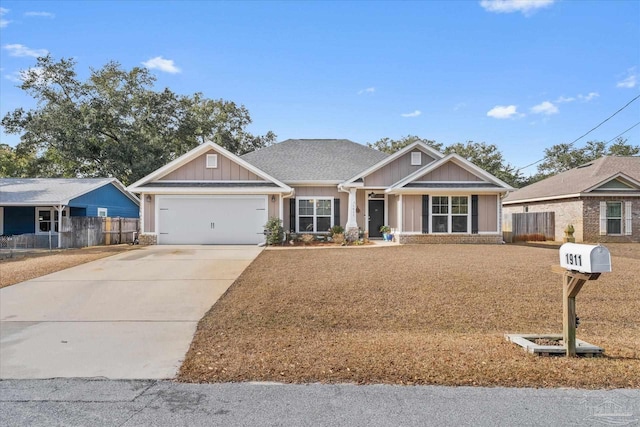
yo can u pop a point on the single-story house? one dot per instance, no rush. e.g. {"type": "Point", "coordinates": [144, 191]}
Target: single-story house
{"type": "Point", "coordinates": [37, 205]}
{"type": "Point", "coordinates": [211, 196]}
{"type": "Point", "coordinates": [600, 199]}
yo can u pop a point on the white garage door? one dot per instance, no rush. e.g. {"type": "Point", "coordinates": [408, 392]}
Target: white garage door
{"type": "Point", "coordinates": [211, 220]}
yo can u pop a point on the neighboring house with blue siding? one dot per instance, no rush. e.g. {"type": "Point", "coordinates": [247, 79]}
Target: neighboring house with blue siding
{"type": "Point", "coordinates": [37, 205]}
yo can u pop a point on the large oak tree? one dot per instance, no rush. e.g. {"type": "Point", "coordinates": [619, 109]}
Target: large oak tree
{"type": "Point", "coordinates": [115, 123]}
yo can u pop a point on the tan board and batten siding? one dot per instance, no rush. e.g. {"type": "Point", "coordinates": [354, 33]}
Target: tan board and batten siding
{"type": "Point", "coordinates": [449, 172]}
{"type": "Point", "coordinates": [396, 170]}
{"type": "Point", "coordinates": [487, 213]}
{"type": "Point", "coordinates": [196, 170]}
{"type": "Point", "coordinates": [149, 219]}
{"type": "Point", "coordinates": [393, 211]}
{"type": "Point", "coordinates": [412, 213]}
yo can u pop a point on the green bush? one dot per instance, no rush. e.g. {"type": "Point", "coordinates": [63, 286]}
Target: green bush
{"type": "Point", "coordinates": [275, 232]}
{"type": "Point", "coordinates": [336, 229]}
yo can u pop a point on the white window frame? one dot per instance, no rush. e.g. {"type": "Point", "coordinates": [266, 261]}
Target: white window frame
{"type": "Point", "coordinates": [432, 215]}
{"type": "Point", "coordinates": [53, 220]}
{"type": "Point", "coordinates": [620, 219]}
{"type": "Point", "coordinates": [449, 214]}
{"type": "Point", "coordinates": [212, 161]}
{"type": "Point", "coordinates": [102, 212]}
{"type": "Point", "coordinates": [315, 215]}
{"type": "Point", "coordinates": [416, 158]}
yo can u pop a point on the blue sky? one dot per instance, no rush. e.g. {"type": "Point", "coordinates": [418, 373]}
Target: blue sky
{"type": "Point", "coordinates": [523, 75]}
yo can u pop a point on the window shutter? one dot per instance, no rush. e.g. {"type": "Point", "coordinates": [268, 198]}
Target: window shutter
{"type": "Point", "coordinates": [474, 214]}
{"type": "Point", "coordinates": [603, 218]}
{"type": "Point", "coordinates": [628, 228]}
{"type": "Point", "coordinates": [425, 214]}
{"type": "Point", "coordinates": [292, 214]}
{"type": "Point", "coordinates": [336, 211]}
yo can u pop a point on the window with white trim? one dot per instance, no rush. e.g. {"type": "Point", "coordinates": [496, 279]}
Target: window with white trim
{"type": "Point", "coordinates": [212, 161]}
{"type": "Point", "coordinates": [416, 158]}
{"type": "Point", "coordinates": [450, 214]}
{"type": "Point", "coordinates": [314, 215]}
{"type": "Point", "coordinates": [102, 212]}
{"type": "Point", "coordinates": [440, 214]}
{"type": "Point", "coordinates": [47, 219]}
{"type": "Point", "coordinates": [459, 214]}
{"type": "Point", "coordinates": [614, 217]}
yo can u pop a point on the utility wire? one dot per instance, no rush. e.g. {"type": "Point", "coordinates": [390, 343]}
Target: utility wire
{"type": "Point", "coordinates": [619, 135]}
{"type": "Point", "coordinates": [592, 129]}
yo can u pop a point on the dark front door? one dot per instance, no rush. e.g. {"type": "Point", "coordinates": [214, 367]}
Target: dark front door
{"type": "Point", "coordinates": [376, 217]}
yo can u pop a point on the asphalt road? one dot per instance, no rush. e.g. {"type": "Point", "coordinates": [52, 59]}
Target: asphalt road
{"type": "Point", "coordinates": [92, 402]}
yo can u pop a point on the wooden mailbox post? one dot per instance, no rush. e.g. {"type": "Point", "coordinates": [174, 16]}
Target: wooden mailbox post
{"type": "Point", "coordinates": [578, 263]}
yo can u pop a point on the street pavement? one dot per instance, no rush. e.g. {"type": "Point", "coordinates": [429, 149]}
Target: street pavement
{"type": "Point", "coordinates": [94, 402]}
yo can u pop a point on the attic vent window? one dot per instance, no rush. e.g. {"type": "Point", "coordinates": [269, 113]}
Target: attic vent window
{"type": "Point", "coordinates": [416, 158]}
{"type": "Point", "coordinates": [212, 161]}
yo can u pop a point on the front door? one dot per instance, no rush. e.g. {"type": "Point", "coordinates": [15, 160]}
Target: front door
{"type": "Point", "coordinates": [376, 217]}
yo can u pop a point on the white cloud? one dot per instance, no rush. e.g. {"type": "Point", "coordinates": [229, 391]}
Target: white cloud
{"type": "Point", "coordinates": [630, 81]}
{"type": "Point", "coordinates": [40, 14]}
{"type": "Point", "coordinates": [588, 97]}
{"type": "Point", "coordinates": [22, 50]}
{"type": "Point", "coordinates": [459, 106]}
{"type": "Point", "coordinates": [564, 99]}
{"type": "Point", "coordinates": [3, 22]}
{"type": "Point", "coordinates": [414, 114]}
{"type": "Point", "coordinates": [162, 64]}
{"type": "Point", "coordinates": [545, 107]}
{"type": "Point", "coordinates": [504, 112]}
{"type": "Point", "coordinates": [580, 97]}
{"type": "Point", "coordinates": [368, 90]}
{"type": "Point", "coordinates": [526, 7]}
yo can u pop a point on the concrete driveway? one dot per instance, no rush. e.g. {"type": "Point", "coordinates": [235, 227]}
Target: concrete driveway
{"type": "Point", "coordinates": [129, 316]}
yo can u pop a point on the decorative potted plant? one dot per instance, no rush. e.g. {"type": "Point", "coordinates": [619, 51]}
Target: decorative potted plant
{"type": "Point", "coordinates": [385, 230]}
{"type": "Point", "coordinates": [337, 234]}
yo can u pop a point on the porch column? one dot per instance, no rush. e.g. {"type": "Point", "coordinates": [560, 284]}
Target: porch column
{"type": "Point", "coordinates": [60, 209]}
{"type": "Point", "coordinates": [141, 213]}
{"type": "Point", "coordinates": [351, 228]}
{"type": "Point", "coordinates": [351, 214]}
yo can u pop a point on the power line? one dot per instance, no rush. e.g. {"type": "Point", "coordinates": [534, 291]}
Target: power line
{"type": "Point", "coordinates": [592, 129]}
{"type": "Point", "coordinates": [619, 135]}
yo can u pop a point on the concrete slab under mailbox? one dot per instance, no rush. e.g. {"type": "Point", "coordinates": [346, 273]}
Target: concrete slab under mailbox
{"type": "Point", "coordinates": [132, 315]}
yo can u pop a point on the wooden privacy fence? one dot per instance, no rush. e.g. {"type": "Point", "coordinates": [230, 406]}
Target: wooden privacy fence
{"type": "Point", "coordinates": [79, 231]}
{"type": "Point", "coordinates": [533, 226]}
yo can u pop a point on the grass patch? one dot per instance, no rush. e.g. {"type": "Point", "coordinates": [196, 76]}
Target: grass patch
{"type": "Point", "coordinates": [430, 314]}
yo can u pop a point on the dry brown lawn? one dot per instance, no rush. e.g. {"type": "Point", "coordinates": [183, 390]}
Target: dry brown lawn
{"type": "Point", "coordinates": [31, 265]}
{"type": "Point", "coordinates": [432, 314]}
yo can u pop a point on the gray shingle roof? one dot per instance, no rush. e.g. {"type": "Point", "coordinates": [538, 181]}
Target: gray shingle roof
{"type": "Point", "coordinates": [47, 191]}
{"type": "Point", "coordinates": [579, 179]}
{"type": "Point", "coordinates": [314, 159]}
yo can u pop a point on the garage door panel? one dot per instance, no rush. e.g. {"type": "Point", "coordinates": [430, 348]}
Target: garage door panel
{"type": "Point", "coordinates": [212, 220]}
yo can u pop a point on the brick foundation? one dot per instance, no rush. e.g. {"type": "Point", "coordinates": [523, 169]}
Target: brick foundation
{"type": "Point", "coordinates": [148, 239]}
{"type": "Point", "coordinates": [410, 239]}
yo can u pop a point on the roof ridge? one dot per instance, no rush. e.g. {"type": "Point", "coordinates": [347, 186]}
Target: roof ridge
{"type": "Point", "coordinates": [601, 161]}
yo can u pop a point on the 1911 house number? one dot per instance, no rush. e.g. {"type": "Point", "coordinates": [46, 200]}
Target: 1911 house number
{"type": "Point", "coordinates": [574, 259]}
